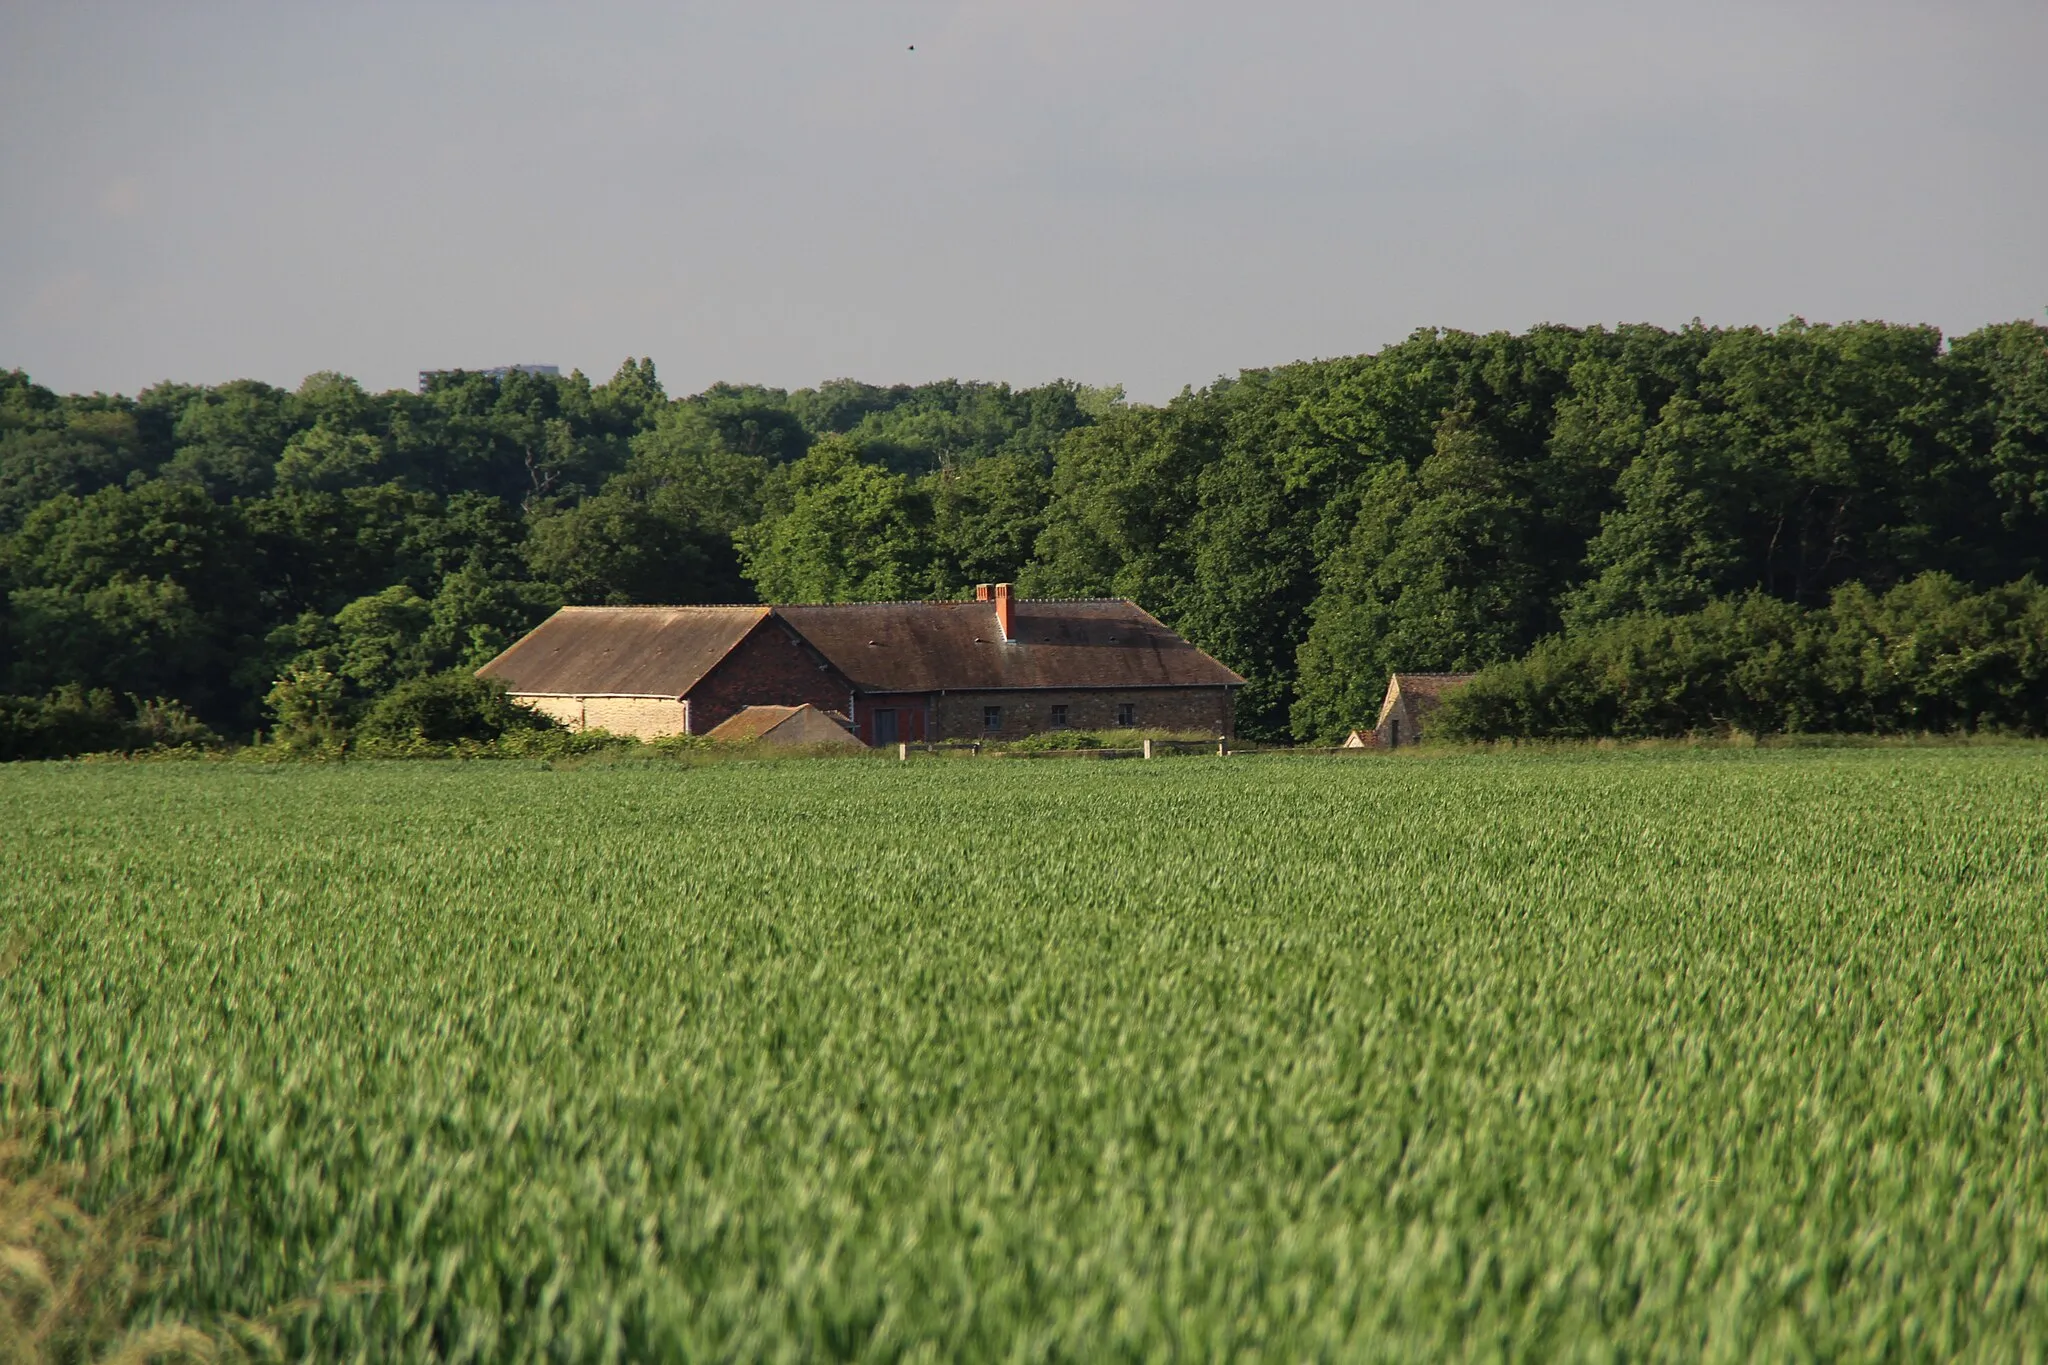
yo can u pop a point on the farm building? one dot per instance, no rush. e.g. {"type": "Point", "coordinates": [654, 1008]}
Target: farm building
{"type": "Point", "coordinates": [789, 725]}
{"type": "Point", "coordinates": [998, 667]}
{"type": "Point", "coordinates": [1410, 699]}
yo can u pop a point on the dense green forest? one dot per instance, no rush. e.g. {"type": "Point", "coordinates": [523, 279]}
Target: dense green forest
{"type": "Point", "coordinates": [1446, 503]}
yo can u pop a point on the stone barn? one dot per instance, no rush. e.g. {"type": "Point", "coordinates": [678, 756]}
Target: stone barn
{"type": "Point", "coordinates": [1411, 697]}
{"type": "Point", "coordinates": [998, 667]}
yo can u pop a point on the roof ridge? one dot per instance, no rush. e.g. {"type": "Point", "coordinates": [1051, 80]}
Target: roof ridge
{"type": "Point", "coordinates": [771, 606]}
{"type": "Point", "coordinates": [950, 602]}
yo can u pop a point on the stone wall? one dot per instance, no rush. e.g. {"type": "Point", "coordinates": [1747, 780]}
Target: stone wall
{"type": "Point", "coordinates": [641, 717]}
{"type": "Point", "coordinates": [564, 711]}
{"type": "Point", "coordinates": [1198, 710]}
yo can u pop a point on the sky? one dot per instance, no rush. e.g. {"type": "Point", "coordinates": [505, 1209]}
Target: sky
{"type": "Point", "coordinates": [1152, 194]}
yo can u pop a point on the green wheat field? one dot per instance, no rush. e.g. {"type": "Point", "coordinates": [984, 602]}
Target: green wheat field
{"type": "Point", "coordinates": [1626, 1056]}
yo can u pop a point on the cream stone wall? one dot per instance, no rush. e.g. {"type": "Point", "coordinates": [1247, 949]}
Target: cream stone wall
{"type": "Point", "coordinates": [641, 717]}
{"type": "Point", "coordinates": [564, 711]}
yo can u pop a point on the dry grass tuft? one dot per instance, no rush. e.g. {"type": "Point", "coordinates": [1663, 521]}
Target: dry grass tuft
{"type": "Point", "coordinates": [70, 1280]}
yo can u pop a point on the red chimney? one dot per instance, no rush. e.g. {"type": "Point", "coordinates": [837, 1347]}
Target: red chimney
{"type": "Point", "coordinates": [983, 592]}
{"type": "Point", "coordinates": [1005, 612]}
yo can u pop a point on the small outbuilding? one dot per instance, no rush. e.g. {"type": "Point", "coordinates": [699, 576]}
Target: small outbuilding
{"type": "Point", "coordinates": [1411, 699]}
{"type": "Point", "coordinates": [787, 725]}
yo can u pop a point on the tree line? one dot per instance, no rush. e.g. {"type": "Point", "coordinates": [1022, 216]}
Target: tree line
{"type": "Point", "coordinates": [1447, 503]}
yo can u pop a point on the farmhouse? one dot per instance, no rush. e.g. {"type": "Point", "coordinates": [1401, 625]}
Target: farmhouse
{"type": "Point", "coordinates": [1411, 697]}
{"type": "Point", "coordinates": [998, 667]}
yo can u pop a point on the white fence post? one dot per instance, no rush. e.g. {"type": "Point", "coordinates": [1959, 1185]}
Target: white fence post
{"type": "Point", "coordinates": [1148, 748]}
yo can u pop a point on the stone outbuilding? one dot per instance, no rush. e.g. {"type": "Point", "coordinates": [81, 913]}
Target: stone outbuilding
{"type": "Point", "coordinates": [998, 667]}
{"type": "Point", "coordinates": [786, 725]}
{"type": "Point", "coordinates": [1411, 698]}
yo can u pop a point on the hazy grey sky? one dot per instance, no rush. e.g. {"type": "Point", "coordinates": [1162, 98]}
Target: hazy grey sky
{"type": "Point", "coordinates": [1150, 193]}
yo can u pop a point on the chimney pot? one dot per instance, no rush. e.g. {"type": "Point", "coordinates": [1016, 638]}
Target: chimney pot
{"type": "Point", "coordinates": [983, 592]}
{"type": "Point", "coordinates": [1005, 612]}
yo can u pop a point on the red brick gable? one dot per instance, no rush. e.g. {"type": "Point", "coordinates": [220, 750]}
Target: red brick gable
{"type": "Point", "coordinates": [772, 666]}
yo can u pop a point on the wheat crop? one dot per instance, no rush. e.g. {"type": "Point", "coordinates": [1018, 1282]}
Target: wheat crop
{"type": "Point", "coordinates": [1727, 1055]}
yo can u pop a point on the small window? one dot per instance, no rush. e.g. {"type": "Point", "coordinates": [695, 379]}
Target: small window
{"type": "Point", "coordinates": [991, 718]}
{"type": "Point", "coordinates": [1059, 717]}
{"type": "Point", "coordinates": [1127, 714]}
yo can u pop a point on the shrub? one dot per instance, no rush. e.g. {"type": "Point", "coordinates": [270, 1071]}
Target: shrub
{"type": "Point", "coordinates": [163, 723]}
{"type": "Point", "coordinates": [72, 721]}
{"type": "Point", "coordinates": [1928, 656]}
{"type": "Point", "coordinates": [449, 708]}
{"type": "Point", "coordinates": [307, 704]}
{"type": "Point", "coordinates": [1051, 740]}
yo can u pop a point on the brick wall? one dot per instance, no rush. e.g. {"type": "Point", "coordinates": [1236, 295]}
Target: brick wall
{"type": "Point", "coordinates": [911, 708]}
{"type": "Point", "coordinates": [768, 668]}
{"type": "Point", "coordinates": [1200, 710]}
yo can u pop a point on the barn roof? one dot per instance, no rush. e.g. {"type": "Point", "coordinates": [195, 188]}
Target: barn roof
{"type": "Point", "coordinates": [622, 651]}
{"type": "Point", "coordinates": [957, 646]}
{"type": "Point", "coordinates": [877, 646]}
